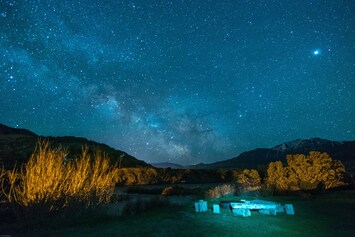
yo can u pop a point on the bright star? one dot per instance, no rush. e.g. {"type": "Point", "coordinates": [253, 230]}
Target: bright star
{"type": "Point", "coordinates": [316, 52]}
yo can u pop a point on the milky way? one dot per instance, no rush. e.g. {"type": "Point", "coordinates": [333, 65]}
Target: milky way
{"type": "Point", "coordinates": [179, 81]}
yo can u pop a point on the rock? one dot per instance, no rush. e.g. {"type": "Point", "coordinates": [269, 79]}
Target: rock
{"type": "Point", "coordinates": [216, 208]}
{"type": "Point", "coordinates": [289, 209]}
{"type": "Point", "coordinates": [241, 212]}
{"type": "Point", "coordinates": [201, 206]}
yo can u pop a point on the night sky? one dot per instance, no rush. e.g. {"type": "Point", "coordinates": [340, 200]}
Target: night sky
{"type": "Point", "coordinates": [179, 81]}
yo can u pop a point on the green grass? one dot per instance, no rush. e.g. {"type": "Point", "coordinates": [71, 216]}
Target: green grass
{"type": "Point", "coordinates": [329, 214]}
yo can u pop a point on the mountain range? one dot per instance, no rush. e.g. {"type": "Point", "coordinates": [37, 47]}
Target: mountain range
{"type": "Point", "coordinates": [343, 151]}
{"type": "Point", "coordinates": [167, 165]}
{"type": "Point", "coordinates": [16, 145]}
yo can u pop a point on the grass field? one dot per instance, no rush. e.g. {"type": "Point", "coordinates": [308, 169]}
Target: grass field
{"type": "Point", "coordinates": [328, 214]}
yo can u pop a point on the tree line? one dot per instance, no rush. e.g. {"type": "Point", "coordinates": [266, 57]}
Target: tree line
{"type": "Point", "coordinates": [315, 170]}
{"type": "Point", "coordinates": [301, 172]}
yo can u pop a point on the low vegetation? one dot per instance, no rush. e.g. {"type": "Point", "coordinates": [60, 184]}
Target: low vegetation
{"type": "Point", "coordinates": [248, 180]}
{"type": "Point", "coordinates": [314, 171]}
{"type": "Point", "coordinates": [220, 191]}
{"type": "Point", "coordinates": [49, 183]}
{"type": "Point", "coordinates": [149, 175]}
{"type": "Point", "coordinates": [302, 173]}
{"type": "Point", "coordinates": [327, 214]}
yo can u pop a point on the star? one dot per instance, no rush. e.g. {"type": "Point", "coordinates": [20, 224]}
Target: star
{"type": "Point", "coordinates": [199, 82]}
{"type": "Point", "coordinates": [316, 52]}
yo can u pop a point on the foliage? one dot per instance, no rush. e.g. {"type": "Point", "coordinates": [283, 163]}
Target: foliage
{"type": "Point", "coordinates": [160, 219]}
{"type": "Point", "coordinates": [276, 176]}
{"type": "Point", "coordinates": [306, 172]}
{"type": "Point", "coordinates": [176, 190]}
{"type": "Point", "coordinates": [248, 180]}
{"type": "Point", "coordinates": [49, 183]}
{"type": "Point", "coordinates": [134, 176]}
{"type": "Point", "coordinates": [220, 191]}
{"type": "Point", "coordinates": [150, 175]}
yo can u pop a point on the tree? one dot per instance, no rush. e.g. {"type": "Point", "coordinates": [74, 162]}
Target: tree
{"type": "Point", "coordinates": [276, 176]}
{"type": "Point", "coordinates": [316, 168]}
{"type": "Point", "coordinates": [249, 180]}
{"type": "Point", "coordinates": [306, 172]}
{"type": "Point", "coordinates": [335, 175]}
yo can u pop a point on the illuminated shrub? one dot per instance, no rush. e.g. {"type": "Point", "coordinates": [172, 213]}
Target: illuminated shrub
{"type": "Point", "coordinates": [220, 191]}
{"type": "Point", "coordinates": [49, 183]}
{"type": "Point", "coordinates": [168, 191]}
{"type": "Point", "coordinates": [176, 190]}
{"type": "Point", "coordinates": [277, 176]}
{"type": "Point", "coordinates": [306, 172]}
{"type": "Point", "coordinates": [248, 180]}
{"type": "Point", "coordinates": [132, 176]}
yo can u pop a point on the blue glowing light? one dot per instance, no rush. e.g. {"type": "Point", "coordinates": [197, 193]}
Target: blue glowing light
{"type": "Point", "coordinates": [316, 52]}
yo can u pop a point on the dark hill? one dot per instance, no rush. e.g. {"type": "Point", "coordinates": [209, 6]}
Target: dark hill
{"type": "Point", "coordinates": [5, 130]}
{"type": "Point", "coordinates": [167, 165]}
{"type": "Point", "coordinates": [16, 146]}
{"type": "Point", "coordinates": [261, 157]}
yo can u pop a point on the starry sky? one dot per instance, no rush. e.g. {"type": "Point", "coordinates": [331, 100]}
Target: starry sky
{"type": "Point", "coordinates": [179, 81]}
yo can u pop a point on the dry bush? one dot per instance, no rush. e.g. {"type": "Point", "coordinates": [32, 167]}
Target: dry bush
{"type": "Point", "coordinates": [49, 183]}
{"type": "Point", "coordinates": [220, 190]}
{"type": "Point", "coordinates": [176, 190]}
